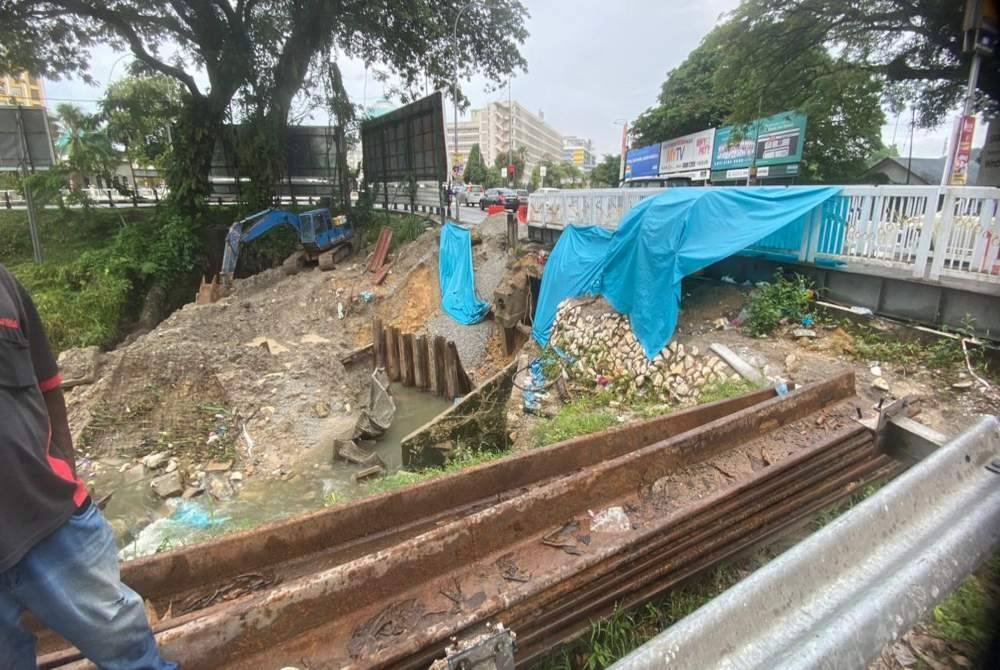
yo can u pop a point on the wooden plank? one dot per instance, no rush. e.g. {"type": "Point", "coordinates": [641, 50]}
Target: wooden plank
{"type": "Point", "coordinates": [451, 375]}
{"type": "Point", "coordinates": [406, 359]}
{"type": "Point", "coordinates": [433, 368]}
{"type": "Point", "coordinates": [392, 353]}
{"type": "Point", "coordinates": [440, 350]}
{"type": "Point", "coordinates": [381, 250]}
{"type": "Point", "coordinates": [420, 361]}
{"type": "Point", "coordinates": [378, 341]}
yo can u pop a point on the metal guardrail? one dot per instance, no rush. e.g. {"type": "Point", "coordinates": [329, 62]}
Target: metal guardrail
{"type": "Point", "coordinates": [919, 231]}
{"type": "Point", "coordinates": [839, 597]}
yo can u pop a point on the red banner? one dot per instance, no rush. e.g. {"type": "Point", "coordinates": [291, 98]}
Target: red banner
{"type": "Point", "coordinates": [963, 151]}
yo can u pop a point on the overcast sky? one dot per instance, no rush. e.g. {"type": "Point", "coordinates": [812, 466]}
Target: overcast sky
{"type": "Point", "coordinates": [590, 63]}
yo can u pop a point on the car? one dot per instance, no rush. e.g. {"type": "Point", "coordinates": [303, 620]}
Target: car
{"type": "Point", "coordinates": [522, 197]}
{"type": "Point", "coordinates": [499, 196]}
{"type": "Point", "coordinates": [470, 195]}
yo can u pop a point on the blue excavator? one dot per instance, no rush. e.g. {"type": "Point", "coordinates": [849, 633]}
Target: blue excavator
{"type": "Point", "coordinates": [323, 238]}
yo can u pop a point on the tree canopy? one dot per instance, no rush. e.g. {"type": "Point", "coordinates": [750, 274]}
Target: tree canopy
{"type": "Point", "coordinates": [475, 167]}
{"type": "Point", "coordinates": [606, 172]}
{"type": "Point", "coordinates": [265, 51]}
{"type": "Point", "coordinates": [139, 111]}
{"type": "Point", "coordinates": [720, 83]}
{"type": "Point", "coordinates": [914, 46]}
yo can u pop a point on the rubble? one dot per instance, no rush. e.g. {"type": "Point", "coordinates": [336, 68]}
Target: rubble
{"type": "Point", "coordinates": [168, 485]}
{"type": "Point", "coordinates": [599, 343]}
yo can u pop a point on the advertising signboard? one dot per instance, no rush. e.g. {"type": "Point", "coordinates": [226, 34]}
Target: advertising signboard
{"type": "Point", "coordinates": [779, 141]}
{"type": "Point", "coordinates": [407, 143]}
{"type": "Point", "coordinates": [642, 162]}
{"type": "Point", "coordinates": [688, 156]}
{"type": "Point", "coordinates": [989, 159]}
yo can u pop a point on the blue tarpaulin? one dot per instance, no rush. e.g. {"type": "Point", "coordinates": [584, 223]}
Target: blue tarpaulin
{"type": "Point", "coordinates": [458, 283]}
{"type": "Point", "coordinates": [639, 266]}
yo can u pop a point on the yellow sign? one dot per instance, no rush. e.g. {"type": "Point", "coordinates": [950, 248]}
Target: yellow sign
{"type": "Point", "coordinates": [578, 156]}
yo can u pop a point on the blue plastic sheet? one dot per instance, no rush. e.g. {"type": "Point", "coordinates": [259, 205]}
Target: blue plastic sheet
{"type": "Point", "coordinates": [458, 283]}
{"type": "Point", "coordinates": [639, 267]}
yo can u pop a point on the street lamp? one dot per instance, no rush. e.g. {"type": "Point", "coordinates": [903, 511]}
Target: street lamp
{"type": "Point", "coordinates": [454, 91]}
{"type": "Point", "coordinates": [621, 161]}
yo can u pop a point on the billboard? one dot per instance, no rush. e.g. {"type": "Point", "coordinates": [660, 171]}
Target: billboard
{"type": "Point", "coordinates": [24, 138]}
{"type": "Point", "coordinates": [406, 144]}
{"type": "Point", "coordinates": [989, 159]}
{"type": "Point", "coordinates": [773, 141]}
{"type": "Point", "coordinates": [642, 162]}
{"type": "Point", "coordinates": [687, 156]}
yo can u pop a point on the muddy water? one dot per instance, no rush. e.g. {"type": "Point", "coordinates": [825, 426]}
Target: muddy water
{"type": "Point", "coordinates": [145, 524]}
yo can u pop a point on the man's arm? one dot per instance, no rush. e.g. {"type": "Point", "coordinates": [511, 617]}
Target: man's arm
{"type": "Point", "coordinates": [49, 380]}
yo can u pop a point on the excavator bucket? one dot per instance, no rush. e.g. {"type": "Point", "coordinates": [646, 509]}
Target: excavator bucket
{"type": "Point", "coordinates": [210, 292]}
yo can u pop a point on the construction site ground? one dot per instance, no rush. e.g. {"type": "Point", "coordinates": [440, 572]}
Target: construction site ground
{"type": "Point", "coordinates": [243, 399]}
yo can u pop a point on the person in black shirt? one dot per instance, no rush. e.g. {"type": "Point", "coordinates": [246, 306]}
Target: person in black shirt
{"type": "Point", "coordinates": [58, 558]}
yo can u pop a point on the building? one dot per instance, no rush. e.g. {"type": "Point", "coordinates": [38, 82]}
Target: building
{"type": "Point", "coordinates": [492, 127]}
{"type": "Point", "coordinates": [923, 171]}
{"type": "Point", "coordinates": [22, 89]}
{"type": "Point", "coordinates": [579, 152]}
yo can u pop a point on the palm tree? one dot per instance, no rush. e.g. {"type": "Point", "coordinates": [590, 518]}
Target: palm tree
{"type": "Point", "coordinates": [85, 148]}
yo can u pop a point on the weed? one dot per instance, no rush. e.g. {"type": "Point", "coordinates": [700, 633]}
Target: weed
{"type": "Point", "coordinates": [782, 298]}
{"type": "Point", "coordinates": [968, 614]}
{"type": "Point", "coordinates": [615, 636]}
{"type": "Point", "coordinates": [580, 417]}
{"type": "Point", "coordinates": [727, 388]}
{"type": "Point", "coordinates": [405, 229]}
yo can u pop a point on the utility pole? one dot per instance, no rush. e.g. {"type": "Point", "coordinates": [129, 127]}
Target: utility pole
{"type": "Point", "coordinates": [454, 91]}
{"type": "Point", "coordinates": [510, 135]}
{"type": "Point", "coordinates": [909, 160]}
{"type": "Point", "coordinates": [29, 200]}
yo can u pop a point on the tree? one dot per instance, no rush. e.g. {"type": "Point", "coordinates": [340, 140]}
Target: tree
{"type": "Point", "coordinates": [139, 112]}
{"type": "Point", "coordinates": [86, 149]}
{"type": "Point", "coordinates": [475, 167]}
{"type": "Point", "coordinates": [265, 51]}
{"type": "Point", "coordinates": [605, 173]}
{"type": "Point", "coordinates": [720, 84]}
{"type": "Point", "coordinates": [914, 46]}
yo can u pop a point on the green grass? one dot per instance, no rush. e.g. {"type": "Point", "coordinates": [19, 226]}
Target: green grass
{"type": "Point", "coordinates": [460, 460]}
{"type": "Point", "coordinates": [405, 228]}
{"type": "Point", "coordinates": [728, 388]}
{"type": "Point", "coordinates": [623, 630]}
{"type": "Point", "coordinates": [781, 298]}
{"type": "Point", "coordinates": [968, 615]}
{"type": "Point", "coordinates": [580, 417]}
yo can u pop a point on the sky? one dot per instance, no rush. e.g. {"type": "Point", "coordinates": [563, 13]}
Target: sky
{"type": "Point", "coordinates": [590, 63]}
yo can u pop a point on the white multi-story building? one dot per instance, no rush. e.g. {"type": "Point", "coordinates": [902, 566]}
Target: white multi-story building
{"type": "Point", "coordinates": [579, 152]}
{"type": "Point", "coordinates": [491, 127]}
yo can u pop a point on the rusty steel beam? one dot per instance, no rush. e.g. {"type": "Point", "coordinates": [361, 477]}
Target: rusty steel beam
{"type": "Point", "coordinates": [339, 534]}
{"type": "Point", "coordinates": [334, 595]}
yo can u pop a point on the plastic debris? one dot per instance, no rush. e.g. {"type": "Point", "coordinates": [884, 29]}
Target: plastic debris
{"type": "Point", "coordinates": [807, 321]}
{"type": "Point", "coordinates": [610, 520]}
{"type": "Point", "coordinates": [727, 279]}
{"type": "Point", "coordinates": [367, 296]}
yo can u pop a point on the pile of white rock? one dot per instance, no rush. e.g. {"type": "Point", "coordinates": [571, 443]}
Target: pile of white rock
{"type": "Point", "coordinates": [605, 352]}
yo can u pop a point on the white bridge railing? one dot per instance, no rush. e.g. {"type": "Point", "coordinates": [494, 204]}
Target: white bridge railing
{"type": "Point", "coordinates": [923, 231]}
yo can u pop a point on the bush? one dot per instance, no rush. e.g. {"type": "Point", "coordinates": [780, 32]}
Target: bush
{"type": "Point", "coordinates": [780, 299]}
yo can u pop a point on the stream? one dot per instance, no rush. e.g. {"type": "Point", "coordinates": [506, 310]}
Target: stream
{"type": "Point", "coordinates": [145, 524]}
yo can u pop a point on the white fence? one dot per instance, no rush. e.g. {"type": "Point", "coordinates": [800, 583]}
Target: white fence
{"type": "Point", "coordinates": [923, 231]}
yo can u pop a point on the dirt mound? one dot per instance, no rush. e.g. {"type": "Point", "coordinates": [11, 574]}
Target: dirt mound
{"type": "Point", "coordinates": [255, 377]}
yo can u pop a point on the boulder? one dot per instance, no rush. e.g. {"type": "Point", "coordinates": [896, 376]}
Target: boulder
{"type": "Point", "coordinates": [156, 460]}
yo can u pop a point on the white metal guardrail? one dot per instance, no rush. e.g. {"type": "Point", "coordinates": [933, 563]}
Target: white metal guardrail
{"type": "Point", "coordinates": [925, 232]}
{"type": "Point", "coordinates": [839, 597]}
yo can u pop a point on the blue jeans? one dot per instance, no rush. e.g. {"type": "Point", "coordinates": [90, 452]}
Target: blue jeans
{"type": "Point", "coordinates": [70, 582]}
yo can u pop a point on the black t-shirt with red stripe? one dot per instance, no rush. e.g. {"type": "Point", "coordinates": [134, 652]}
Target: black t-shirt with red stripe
{"type": "Point", "coordinates": [38, 491]}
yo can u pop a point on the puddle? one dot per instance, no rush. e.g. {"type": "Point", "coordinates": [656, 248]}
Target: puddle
{"type": "Point", "coordinates": [151, 525]}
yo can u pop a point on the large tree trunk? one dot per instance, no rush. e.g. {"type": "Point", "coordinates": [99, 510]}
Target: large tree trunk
{"type": "Point", "coordinates": [194, 139]}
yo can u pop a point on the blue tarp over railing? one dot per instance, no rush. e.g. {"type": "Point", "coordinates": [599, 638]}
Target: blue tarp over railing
{"type": "Point", "coordinates": [639, 266]}
{"type": "Point", "coordinates": [459, 298]}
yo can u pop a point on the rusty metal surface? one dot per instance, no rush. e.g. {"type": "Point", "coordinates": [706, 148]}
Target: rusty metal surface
{"type": "Point", "coordinates": [381, 250]}
{"type": "Point", "coordinates": [514, 540]}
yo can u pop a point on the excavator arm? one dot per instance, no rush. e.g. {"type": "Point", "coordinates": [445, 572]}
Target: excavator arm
{"type": "Point", "coordinates": [250, 228]}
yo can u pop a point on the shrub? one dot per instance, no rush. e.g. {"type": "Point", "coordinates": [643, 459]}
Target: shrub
{"type": "Point", "coordinates": [780, 299]}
